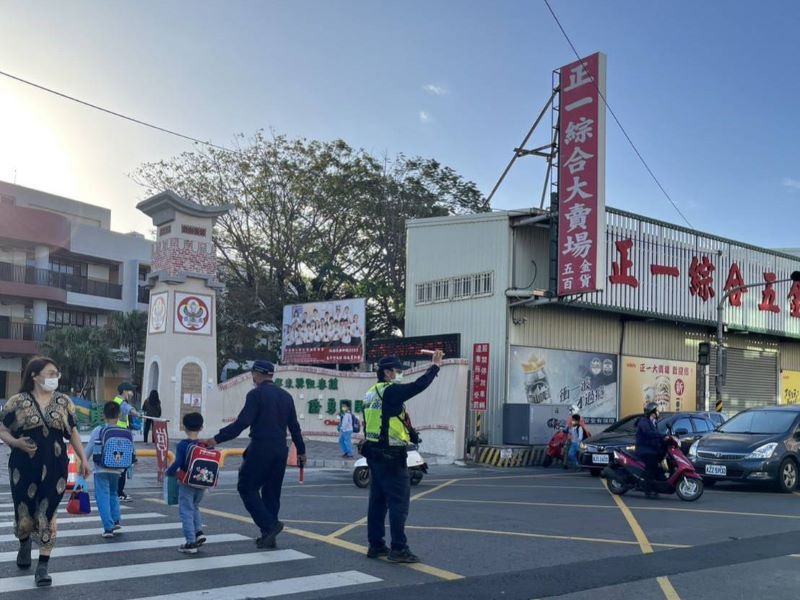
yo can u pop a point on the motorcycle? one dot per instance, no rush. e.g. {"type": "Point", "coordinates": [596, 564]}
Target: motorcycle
{"type": "Point", "coordinates": [417, 467]}
{"type": "Point", "coordinates": [627, 472]}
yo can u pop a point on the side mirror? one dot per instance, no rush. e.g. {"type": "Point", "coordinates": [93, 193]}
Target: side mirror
{"type": "Point", "coordinates": [681, 431]}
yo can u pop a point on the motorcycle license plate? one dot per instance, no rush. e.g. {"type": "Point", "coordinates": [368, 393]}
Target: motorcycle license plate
{"type": "Point", "coordinates": [716, 470]}
{"type": "Point", "coordinates": [600, 459]}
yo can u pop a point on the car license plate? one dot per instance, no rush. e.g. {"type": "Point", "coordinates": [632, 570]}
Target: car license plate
{"type": "Point", "coordinates": [600, 459]}
{"type": "Point", "coordinates": [716, 470]}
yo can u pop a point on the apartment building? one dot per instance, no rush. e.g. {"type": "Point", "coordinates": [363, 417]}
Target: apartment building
{"type": "Point", "coordinates": [61, 265]}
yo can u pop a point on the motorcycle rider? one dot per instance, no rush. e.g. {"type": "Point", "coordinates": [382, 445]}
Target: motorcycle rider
{"type": "Point", "coordinates": [650, 446]}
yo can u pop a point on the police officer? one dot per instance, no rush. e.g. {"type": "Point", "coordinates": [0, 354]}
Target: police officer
{"type": "Point", "coordinates": [386, 437]}
{"type": "Point", "coordinates": [268, 411]}
{"type": "Point", "coordinates": [123, 398]}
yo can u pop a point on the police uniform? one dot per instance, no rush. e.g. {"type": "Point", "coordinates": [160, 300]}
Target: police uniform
{"type": "Point", "coordinates": [268, 411]}
{"type": "Point", "coordinates": [386, 438]}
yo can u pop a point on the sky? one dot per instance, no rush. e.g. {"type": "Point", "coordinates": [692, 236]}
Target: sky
{"type": "Point", "coordinates": [707, 91]}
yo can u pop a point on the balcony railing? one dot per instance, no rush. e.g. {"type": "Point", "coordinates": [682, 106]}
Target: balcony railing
{"type": "Point", "coordinates": [22, 331]}
{"type": "Point", "coordinates": [64, 281]}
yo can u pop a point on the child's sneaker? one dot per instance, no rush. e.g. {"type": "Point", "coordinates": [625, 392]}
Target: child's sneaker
{"type": "Point", "coordinates": [188, 548]}
{"type": "Point", "coordinates": [108, 534]}
{"type": "Point", "coordinates": [199, 539]}
{"type": "Point", "coordinates": [116, 526]}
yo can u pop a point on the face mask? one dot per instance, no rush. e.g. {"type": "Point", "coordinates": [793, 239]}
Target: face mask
{"type": "Point", "coordinates": [398, 378]}
{"type": "Point", "coordinates": [50, 384]}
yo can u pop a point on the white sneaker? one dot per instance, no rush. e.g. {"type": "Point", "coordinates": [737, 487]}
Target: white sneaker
{"type": "Point", "coordinates": [108, 534]}
{"type": "Point", "coordinates": [188, 548]}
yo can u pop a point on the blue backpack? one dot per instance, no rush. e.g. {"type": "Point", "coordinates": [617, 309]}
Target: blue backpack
{"type": "Point", "coordinates": [114, 449]}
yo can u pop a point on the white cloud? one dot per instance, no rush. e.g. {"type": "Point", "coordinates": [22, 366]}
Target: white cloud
{"type": "Point", "coordinates": [425, 117]}
{"type": "Point", "coordinates": [792, 184]}
{"type": "Point", "coordinates": [436, 90]}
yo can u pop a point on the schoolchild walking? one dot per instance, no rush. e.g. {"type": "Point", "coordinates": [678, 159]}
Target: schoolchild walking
{"type": "Point", "coordinates": [189, 498]}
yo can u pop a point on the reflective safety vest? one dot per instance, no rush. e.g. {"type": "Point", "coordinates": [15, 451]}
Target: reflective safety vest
{"type": "Point", "coordinates": [373, 412]}
{"type": "Point", "coordinates": [123, 420]}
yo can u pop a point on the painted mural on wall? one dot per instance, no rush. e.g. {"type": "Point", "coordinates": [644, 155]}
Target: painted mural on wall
{"type": "Point", "coordinates": [158, 313]}
{"type": "Point", "coordinates": [192, 313]}
{"type": "Point", "coordinates": [586, 381]}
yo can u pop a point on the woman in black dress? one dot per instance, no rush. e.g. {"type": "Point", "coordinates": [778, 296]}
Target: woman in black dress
{"type": "Point", "coordinates": [151, 408]}
{"type": "Point", "coordinates": [35, 424]}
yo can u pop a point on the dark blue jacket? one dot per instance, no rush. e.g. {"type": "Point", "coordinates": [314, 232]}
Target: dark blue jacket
{"type": "Point", "coordinates": [268, 411]}
{"type": "Point", "coordinates": [396, 394]}
{"type": "Point", "coordinates": [182, 451]}
{"type": "Point", "coordinates": [648, 438]}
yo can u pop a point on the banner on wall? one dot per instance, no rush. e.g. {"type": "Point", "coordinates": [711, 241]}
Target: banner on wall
{"type": "Point", "coordinates": [586, 381]}
{"type": "Point", "coordinates": [193, 313]}
{"type": "Point", "coordinates": [318, 333]}
{"type": "Point", "coordinates": [671, 384]}
{"type": "Point", "coordinates": [161, 437]}
{"type": "Point", "coordinates": [790, 387]}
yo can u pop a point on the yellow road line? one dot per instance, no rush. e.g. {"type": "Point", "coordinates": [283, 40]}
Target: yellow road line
{"type": "Point", "coordinates": [421, 567]}
{"type": "Point", "coordinates": [433, 489]}
{"type": "Point", "coordinates": [644, 544]}
{"type": "Point", "coordinates": [709, 511]}
{"type": "Point", "coordinates": [530, 487]}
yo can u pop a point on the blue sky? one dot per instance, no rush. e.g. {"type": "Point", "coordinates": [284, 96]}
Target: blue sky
{"type": "Point", "coordinates": [707, 91]}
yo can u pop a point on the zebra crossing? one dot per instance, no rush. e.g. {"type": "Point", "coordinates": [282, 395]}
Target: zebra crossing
{"type": "Point", "coordinates": [143, 558]}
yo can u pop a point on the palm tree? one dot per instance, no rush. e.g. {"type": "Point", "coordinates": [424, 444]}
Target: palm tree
{"type": "Point", "coordinates": [128, 332]}
{"type": "Point", "coordinates": [82, 353]}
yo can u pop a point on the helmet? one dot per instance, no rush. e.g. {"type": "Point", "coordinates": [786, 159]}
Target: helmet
{"type": "Point", "coordinates": [650, 408]}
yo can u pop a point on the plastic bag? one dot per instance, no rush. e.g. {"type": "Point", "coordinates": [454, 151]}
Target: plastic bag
{"type": "Point", "coordinates": [170, 491]}
{"type": "Point", "coordinates": [79, 499]}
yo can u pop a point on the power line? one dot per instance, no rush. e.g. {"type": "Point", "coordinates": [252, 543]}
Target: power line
{"type": "Point", "coordinates": [113, 113]}
{"type": "Point", "coordinates": [622, 129]}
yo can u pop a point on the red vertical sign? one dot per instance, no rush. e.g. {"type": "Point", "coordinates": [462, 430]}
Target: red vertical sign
{"type": "Point", "coordinates": [161, 437]}
{"type": "Point", "coordinates": [480, 376]}
{"type": "Point", "coordinates": [581, 176]}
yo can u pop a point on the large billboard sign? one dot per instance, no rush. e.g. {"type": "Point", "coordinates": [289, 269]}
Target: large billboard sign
{"type": "Point", "coordinates": [581, 176]}
{"type": "Point", "coordinates": [585, 381]}
{"type": "Point", "coordinates": [671, 384]}
{"type": "Point", "coordinates": [320, 333]}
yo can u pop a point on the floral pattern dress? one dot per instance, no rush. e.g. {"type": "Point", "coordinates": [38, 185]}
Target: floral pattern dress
{"type": "Point", "coordinates": [38, 482]}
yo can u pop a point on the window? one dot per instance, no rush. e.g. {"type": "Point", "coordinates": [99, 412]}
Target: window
{"type": "Point", "coordinates": [682, 423]}
{"type": "Point", "coordinates": [701, 425]}
{"type": "Point", "coordinates": [460, 287]}
{"type": "Point", "coordinates": [441, 290]}
{"type": "Point", "coordinates": [760, 422]}
{"type": "Point", "coordinates": [70, 318]}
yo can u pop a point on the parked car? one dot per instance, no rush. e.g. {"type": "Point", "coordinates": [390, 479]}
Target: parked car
{"type": "Point", "coordinates": [688, 427]}
{"type": "Point", "coordinates": [757, 445]}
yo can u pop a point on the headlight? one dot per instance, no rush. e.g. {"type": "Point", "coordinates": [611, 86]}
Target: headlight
{"type": "Point", "coordinates": [693, 449]}
{"type": "Point", "coordinates": [765, 451]}
{"type": "Point", "coordinates": [582, 447]}
{"type": "Point", "coordinates": [630, 448]}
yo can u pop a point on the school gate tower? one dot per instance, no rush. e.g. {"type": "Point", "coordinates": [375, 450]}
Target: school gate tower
{"type": "Point", "coordinates": [181, 352]}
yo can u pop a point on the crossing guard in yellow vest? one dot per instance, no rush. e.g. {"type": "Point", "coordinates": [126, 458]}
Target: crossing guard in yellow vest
{"type": "Point", "coordinates": [386, 438]}
{"type": "Point", "coordinates": [124, 395]}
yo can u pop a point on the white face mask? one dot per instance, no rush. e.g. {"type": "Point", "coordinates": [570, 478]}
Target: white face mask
{"type": "Point", "coordinates": [398, 377]}
{"type": "Point", "coordinates": [50, 384]}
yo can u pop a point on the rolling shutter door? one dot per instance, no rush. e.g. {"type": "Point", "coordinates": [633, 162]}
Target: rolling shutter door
{"type": "Point", "coordinates": [752, 379]}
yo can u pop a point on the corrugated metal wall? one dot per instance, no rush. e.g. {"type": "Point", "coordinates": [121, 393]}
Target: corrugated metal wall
{"type": "Point", "coordinates": [654, 339]}
{"type": "Point", "coordinates": [565, 328]}
{"type": "Point", "coordinates": [531, 247]}
{"type": "Point", "coordinates": [790, 356]}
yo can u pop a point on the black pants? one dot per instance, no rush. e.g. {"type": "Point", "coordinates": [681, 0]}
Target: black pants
{"type": "Point", "coordinates": [147, 425]}
{"type": "Point", "coordinates": [121, 484]}
{"type": "Point", "coordinates": [260, 482]}
{"type": "Point", "coordinates": [651, 470]}
{"type": "Point", "coordinates": [389, 489]}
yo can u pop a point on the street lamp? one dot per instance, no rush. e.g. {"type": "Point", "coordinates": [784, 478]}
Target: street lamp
{"type": "Point", "coordinates": [794, 277]}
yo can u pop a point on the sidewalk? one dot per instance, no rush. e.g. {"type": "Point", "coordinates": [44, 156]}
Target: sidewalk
{"type": "Point", "coordinates": [321, 455]}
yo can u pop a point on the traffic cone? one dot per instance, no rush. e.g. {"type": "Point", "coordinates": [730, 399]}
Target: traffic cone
{"type": "Point", "coordinates": [72, 468]}
{"type": "Point", "coordinates": [292, 461]}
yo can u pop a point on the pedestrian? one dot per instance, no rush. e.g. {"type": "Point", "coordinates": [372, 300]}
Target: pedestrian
{"type": "Point", "coordinates": [268, 411]}
{"type": "Point", "coordinates": [650, 446]}
{"type": "Point", "coordinates": [151, 408]}
{"type": "Point", "coordinates": [123, 400]}
{"type": "Point", "coordinates": [577, 433]}
{"type": "Point", "coordinates": [386, 439]}
{"type": "Point", "coordinates": [345, 428]}
{"type": "Point", "coordinates": [106, 479]}
{"type": "Point", "coordinates": [189, 498]}
{"type": "Point", "coordinates": [35, 424]}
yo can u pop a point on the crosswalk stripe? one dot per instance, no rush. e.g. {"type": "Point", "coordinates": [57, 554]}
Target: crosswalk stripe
{"type": "Point", "coordinates": [109, 547]}
{"type": "Point", "coordinates": [278, 587]}
{"type": "Point", "coordinates": [166, 567]}
{"type": "Point", "coordinates": [90, 518]}
{"type": "Point", "coordinates": [10, 513]}
{"type": "Point", "coordinates": [70, 533]}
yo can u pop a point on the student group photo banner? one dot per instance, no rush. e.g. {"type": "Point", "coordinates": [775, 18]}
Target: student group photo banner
{"type": "Point", "coordinates": [319, 333]}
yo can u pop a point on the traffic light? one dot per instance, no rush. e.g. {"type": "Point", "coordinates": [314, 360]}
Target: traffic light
{"type": "Point", "coordinates": [704, 353]}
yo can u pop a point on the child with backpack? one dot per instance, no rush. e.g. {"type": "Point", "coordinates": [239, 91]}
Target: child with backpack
{"type": "Point", "coordinates": [112, 450]}
{"type": "Point", "coordinates": [196, 468]}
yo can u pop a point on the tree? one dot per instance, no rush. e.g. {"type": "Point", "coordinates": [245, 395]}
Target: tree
{"type": "Point", "coordinates": [128, 332]}
{"type": "Point", "coordinates": [82, 354]}
{"type": "Point", "coordinates": [311, 221]}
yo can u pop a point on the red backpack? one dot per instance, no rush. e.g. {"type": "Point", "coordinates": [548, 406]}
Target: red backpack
{"type": "Point", "coordinates": [201, 468]}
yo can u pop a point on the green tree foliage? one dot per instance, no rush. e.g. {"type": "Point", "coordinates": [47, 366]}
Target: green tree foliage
{"type": "Point", "coordinates": [312, 221]}
{"type": "Point", "coordinates": [128, 332]}
{"type": "Point", "coordinates": [82, 354]}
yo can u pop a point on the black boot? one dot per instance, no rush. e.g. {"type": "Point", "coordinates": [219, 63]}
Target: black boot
{"type": "Point", "coordinates": [41, 576]}
{"type": "Point", "coordinates": [24, 554]}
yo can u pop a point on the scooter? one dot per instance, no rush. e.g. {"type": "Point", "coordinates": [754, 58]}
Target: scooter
{"type": "Point", "coordinates": [417, 467]}
{"type": "Point", "coordinates": [627, 472]}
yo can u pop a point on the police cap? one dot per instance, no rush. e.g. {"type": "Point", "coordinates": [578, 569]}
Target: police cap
{"type": "Point", "coordinates": [263, 366]}
{"type": "Point", "coordinates": [391, 362]}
